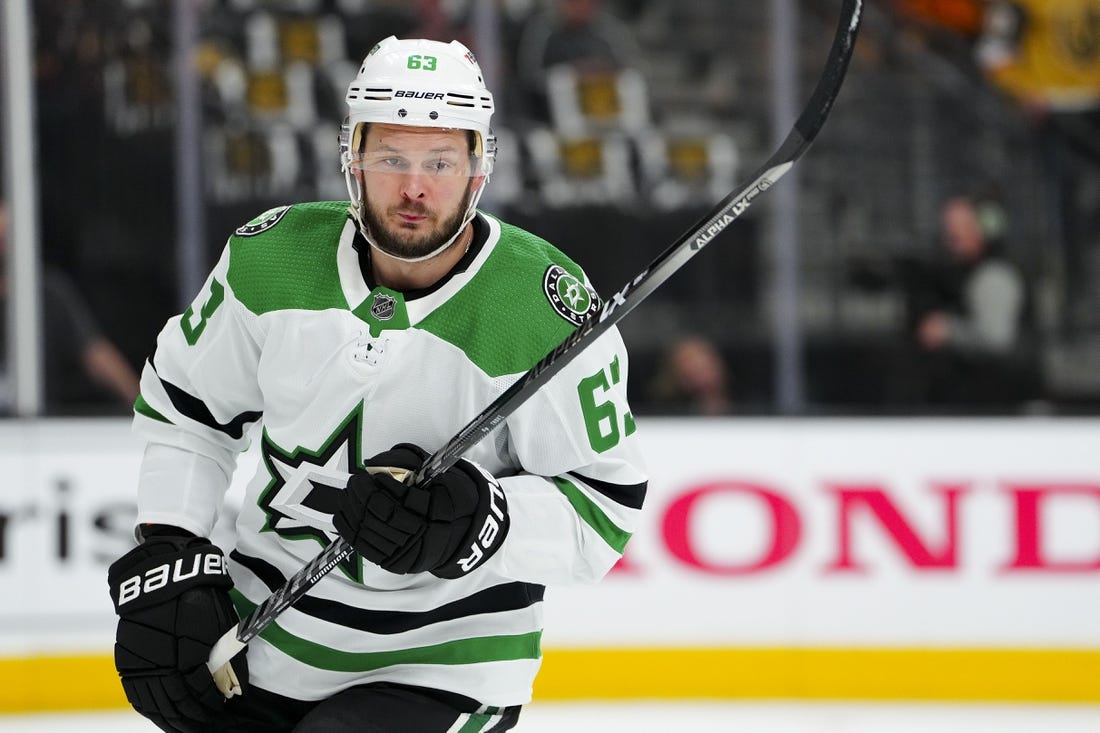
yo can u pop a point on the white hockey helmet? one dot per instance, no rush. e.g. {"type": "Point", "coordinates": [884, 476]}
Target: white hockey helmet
{"type": "Point", "coordinates": [419, 83]}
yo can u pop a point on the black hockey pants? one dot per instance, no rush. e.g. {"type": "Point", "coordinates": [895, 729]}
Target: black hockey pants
{"type": "Point", "coordinates": [378, 708]}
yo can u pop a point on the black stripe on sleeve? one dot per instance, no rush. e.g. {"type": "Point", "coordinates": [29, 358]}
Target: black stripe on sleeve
{"type": "Point", "coordinates": [192, 407]}
{"type": "Point", "coordinates": [629, 495]}
{"type": "Point", "coordinates": [504, 597]}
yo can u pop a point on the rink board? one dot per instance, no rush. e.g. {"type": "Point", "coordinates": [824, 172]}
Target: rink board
{"type": "Point", "coordinates": [816, 559]}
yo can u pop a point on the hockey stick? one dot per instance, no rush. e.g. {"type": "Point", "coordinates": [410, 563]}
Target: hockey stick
{"type": "Point", "coordinates": [625, 300]}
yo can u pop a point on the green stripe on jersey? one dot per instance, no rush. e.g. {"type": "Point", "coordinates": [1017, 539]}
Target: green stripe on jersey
{"type": "Point", "coordinates": [476, 723]}
{"type": "Point", "coordinates": [460, 651]}
{"type": "Point", "coordinates": [292, 264]}
{"type": "Point", "coordinates": [502, 318]}
{"type": "Point", "coordinates": [593, 516]}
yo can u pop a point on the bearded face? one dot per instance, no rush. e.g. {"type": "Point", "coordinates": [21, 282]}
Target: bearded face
{"type": "Point", "coordinates": [416, 186]}
{"type": "Point", "coordinates": [411, 229]}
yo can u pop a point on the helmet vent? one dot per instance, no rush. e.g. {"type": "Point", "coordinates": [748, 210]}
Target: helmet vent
{"type": "Point", "coordinates": [455, 99]}
{"type": "Point", "coordinates": [379, 94]}
{"type": "Point", "coordinates": [460, 100]}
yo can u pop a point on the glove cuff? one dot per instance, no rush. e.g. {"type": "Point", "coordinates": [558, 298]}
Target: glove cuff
{"type": "Point", "coordinates": [145, 532]}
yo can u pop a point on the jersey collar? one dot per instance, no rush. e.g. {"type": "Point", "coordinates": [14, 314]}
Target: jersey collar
{"type": "Point", "coordinates": [353, 262]}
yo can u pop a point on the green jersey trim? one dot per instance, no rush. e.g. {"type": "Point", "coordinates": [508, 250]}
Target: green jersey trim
{"type": "Point", "coordinates": [502, 319]}
{"type": "Point", "coordinates": [383, 310]}
{"type": "Point", "coordinates": [460, 651]}
{"type": "Point", "coordinates": [476, 723]}
{"type": "Point", "coordinates": [292, 265]}
{"type": "Point", "coordinates": [593, 516]}
{"type": "Point", "coordinates": [142, 407]}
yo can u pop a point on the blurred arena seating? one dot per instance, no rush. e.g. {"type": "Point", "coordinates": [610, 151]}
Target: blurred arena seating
{"type": "Point", "coordinates": [612, 170]}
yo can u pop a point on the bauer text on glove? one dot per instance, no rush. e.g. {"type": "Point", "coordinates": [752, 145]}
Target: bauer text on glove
{"type": "Point", "coordinates": [171, 594]}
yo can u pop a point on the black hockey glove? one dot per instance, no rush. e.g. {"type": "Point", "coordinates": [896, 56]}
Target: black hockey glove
{"type": "Point", "coordinates": [172, 596]}
{"type": "Point", "coordinates": [448, 528]}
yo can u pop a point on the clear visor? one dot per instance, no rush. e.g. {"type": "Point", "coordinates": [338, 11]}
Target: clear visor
{"type": "Point", "coordinates": [434, 163]}
{"type": "Point", "coordinates": [438, 162]}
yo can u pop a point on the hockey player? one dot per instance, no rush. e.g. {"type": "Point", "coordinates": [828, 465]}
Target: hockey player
{"type": "Point", "coordinates": [363, 337]}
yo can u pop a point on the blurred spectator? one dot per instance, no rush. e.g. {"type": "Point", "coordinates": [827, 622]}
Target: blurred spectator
{"type": "Point", "coordinates": [959, 16]}
{"type": "Point", "coordinates": [1046, 55]}
{"type": "Point", "coordinates": [84, 372]}
{"type": "Point", "coordinates": [691, 380]}
{"type": "Point", "coordinates": [1044, 52]}
{"type": "Point", "coordinates": [949, 28]}
{"type": "Point", "coordinates": [576, 33]}
{"type": "Point", "coordinates": [972, 319]}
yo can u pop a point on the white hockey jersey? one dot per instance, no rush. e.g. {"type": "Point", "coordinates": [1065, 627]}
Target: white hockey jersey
{"type": "Point", "coordinates": [288, 331]}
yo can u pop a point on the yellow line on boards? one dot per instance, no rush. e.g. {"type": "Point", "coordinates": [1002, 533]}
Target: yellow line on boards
{"type": "Point", "coordinates": [86, 682]}
{"type": "Point", "coordinates": [822, 673]}
{"type": "Point", "coordinates": [1020, 675]}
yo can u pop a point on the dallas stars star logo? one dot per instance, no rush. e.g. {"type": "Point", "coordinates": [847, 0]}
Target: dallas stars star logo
{"type": "Point", "coordinates": [569, 297]}
{"type": "Point", "coordinates": [305, 487]}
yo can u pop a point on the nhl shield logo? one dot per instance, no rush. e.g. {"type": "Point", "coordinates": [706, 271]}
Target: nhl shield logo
{"type": "Point", "coordinates": [383, 307]}
{"type": "Point", "coordinates": [568, 295]}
